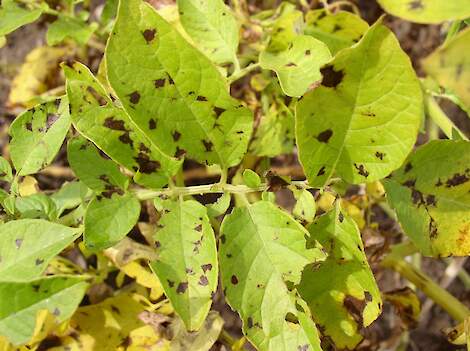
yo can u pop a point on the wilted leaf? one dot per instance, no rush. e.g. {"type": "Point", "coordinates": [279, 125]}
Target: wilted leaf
{"type": "Point", "coordinates": [187, 260]}
{"type": "Point", "coordinates": [262, 252]}
{"type": "Point", "coordinates": [431, 196]}
{"type": "Point", "coordinates": [20, 303]}
{"type": "Point", "coordinates": [95, 170]}
{"type": "Point", "coordinates": [427, 11]}
{"type": "Point", "coordinates": [69, 27]}
{"type": "Point", "coordinates": [407, 305]}
{"type": "Point", "coordinates": [157, 76]}
{"type": "Point", "coordinates": [450, 65]}
{"type": "Point", "coordinates": [363, 120]}
{"type": "Point", "coordinates": [127, 250]}
{"type": "Point", "coordinates": [341, 292]}
{"type": "Point", "coordinates": [96, 117]}
{"type": "Point", "coordinates": [14, 15]}
{"type": "Point", "coordinates": [212, 26]}
{"type": "Point", "coordinates": [297, 67]}
{"type": "Point", "coordinates": [37, 135]}
{"type": "Point", "coordinates": [338, 30]}
{"type": "Point", "coordinates": [27, 246]}
{"type": "Point", "coordinates": [108, 219]}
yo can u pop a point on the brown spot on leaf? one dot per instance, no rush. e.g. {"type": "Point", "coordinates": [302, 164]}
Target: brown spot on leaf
{"type": "Point", "coordinates": [97, 96]}
{"type": "Point", "coordinates": [457, 179]}
{"type": "Point", "coordinates": [206, 267]}
{"type": "Point", "coordinates": [415, 5]}
{"type": "Point", "coordinates": [249, 322]}
{"type": "Point", "coordinates": [38, 262]}
{"type": "Point", "coordinates": [198, 228]}
{"type": "Point", "coordinates": [144, 148]}
{"type": "Point", "coordinates": [179, 153]}
{"type": "Point", "coordinates": [56, 312]}
{"type": "Point", "coordinates": [51, 119]}
{"type": "Point", "coordinates": [361, 170]}
{"type": "Point", "coordinates": [134, 97]}
{"type": "Point", "coordinates": [355, 308]}
{"type": "Point", "coordinates": [159, 83]}
{"type": "Point", "coordinates": [303, 347]}
{"type": "Point", "coordinates": [408, 167]}
{"type": "Point", "coordinates": [379, 155]}
{"type": "Point", "coordinates": [149, 34]}
{"type": "Point", "coordinates": [176, 135]}
{"type": "Point", "coordinates": [18, 243]}
{"type": "Point", "coordinates": [114, 124]}
{"type": "Point", "coordinates": [146, 165]}
{"type": "Point", "coordinates": [432, 228]}
{"type": "Point", "coordinates": [234, 280]}
{"type": "Point", "coordinates": [182, 287]}
{"type": "Point", "coordinates": [126, 139]}
{"type": "Point", "coordinates": [208, 145]}
{"type": "Point", "coordinates": [170, 283]}
{"type": "Point", "coordinates": [307, 52]}
{"type": "Point", "coordinates": [203, 280]}
{"type": "Point", "coordinates": [218, 111]}
{"type": "Point", "coordinates": [430, 200]}
{"type": "Point", "coordinates": [152, 124]}
{"type": "Point", "coordinates": [321, 171]}
{"type": "Point", "coordinates": [29, 126]}
{"type": "Point", "coordinates": [291, 64]}
{"type": "Point", "coordinates": [324, 136]}
{"type": "Point", "coordinates": [331, 78]}
{"type": "Point", "coordinates": [201, 98]}
{"type": "Point", "coordinates": [341, 217]}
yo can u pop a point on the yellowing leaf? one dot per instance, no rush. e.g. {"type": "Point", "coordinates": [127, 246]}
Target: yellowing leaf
{"type": "Point", "coordinates": [144, 277]}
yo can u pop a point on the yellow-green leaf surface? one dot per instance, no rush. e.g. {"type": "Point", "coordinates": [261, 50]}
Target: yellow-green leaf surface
{"type": "Point", "coordinates": [212, 27]}
{"type": "Point", "coordinates": [109, 218]}
{"type": "Point", "coordinates": [95, 170]}
{"type": "Point", "coordinates": [69, 27]}
{"type": "Point", "coordinates": [187, 260]}
{"type": "Point", "coordinates": [37, 135]}
{"type": "Point", "coordinates": [5, 170]}
{"type": "Point", "coordinates": [450, 65]}
{"type": "Point", "coordinates": [97, 117]}
{"type": "Point", "coordinates": [27, 246]}
{"type": "Point", "coordinates": [431, 196]}
{"type": "Point", "coordinates": [363, 120]}
{"type": "Point", "coordinates": [20, 303]}
{"type": "Point", "coordinates": [13, 16]}
{"type": "Point", "coordinates": [427, 11]}
{"type": "Point", "coordinates": [298, 66]}
{"type": "Point", "coordinates": [172, 91]}
{"type": "Point", "coordinates": [341, 292]}
{"type": "Point", "coordinates": [262, 252]}
{"type": "Point", "coordinates": [338, 30]}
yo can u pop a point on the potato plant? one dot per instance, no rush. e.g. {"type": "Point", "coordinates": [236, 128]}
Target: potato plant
{"type": "Point", "coordinates": [325, 86]}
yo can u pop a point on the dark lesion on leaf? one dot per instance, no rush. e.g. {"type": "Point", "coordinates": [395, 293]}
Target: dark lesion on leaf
{"type": "Point", "coordinates": [171, 283]}
{"type": "Point", "coordinates": [38, 261]}
{"type": "Point", "coordinates": [114, 124]}
{"type": "Point", "coordinates": [361, 170]}
{"type": "Point", "coordinates": [182, 287]}
{"type": "Point", "coordinates": [355, 308]}
{"type": "Point", "coordinates": [218, 111]}
{"type": "Point", "coordinates": [134, 97]}
{"type": "Point", "coordinates": [307, 52]}
{"type": "Point", "coordinates": [18, 243]}
{"type": "Point", "coordinates": [415, 5]}
{"type": "Point", "coordinates": [179, 153]}
{"type": "Point", "coordinates": [97, 96]}
{"type": "Point", "coordinates": [234, 280]}
{"type": "Point", "coordinates": [152, 124]}
{"type": "Point", "coordinates": [379, 155]}
{"type": "Point", "coordinates": [201, 98]}
{"type": "Point", "coordinates": [126, 139]}
{"type": "Point", "coordinates": [203, 281]}
{"type": "Point", "coordinates": [51, 119]}
{"type": "Point", "coordinates": [458, 179]}
{"type": "Point", "coordinates": [324, 136]}
{"type": "Point", "coordinates": [291, 64]}
{"type": "Point", "coordinates": [176, 135]}
{"type": "Point", "coordinates": [29, 126]}
{"type": "Point", "coordinates": [206, 267]}
{"type": "Point", "coordinates": [321, 171]}
{"type": "Point", "coordinates": [432, 228]}
{"type": "Point", "coordinates": [331, 77]}
{"type": "Point", "coordinates": [149, 34]}
{"type": "Point", "coordinates": [208, 145]}
{"type": "Point", "coordinates": [275, 183]}
{"type": "Point", "coordinates": [408, 167]}
{"type": "Point", "coordinates": [159, 83]}
{"type": "Point", "coordinates": [146, 165]}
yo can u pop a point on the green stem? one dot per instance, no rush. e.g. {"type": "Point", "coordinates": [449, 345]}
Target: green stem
{"type": "Point", "coordinates": [440, 296]}
{"type": "Point", "coordinates": [147, 194]}
{"type": "Point", "coordinates": [242, 72]}
{"type": "Point", "coordinates": [453, 30]}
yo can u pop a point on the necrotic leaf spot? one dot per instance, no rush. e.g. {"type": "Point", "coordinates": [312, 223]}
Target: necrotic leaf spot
{"type": "Point", "coordinates": [182, 287]}
{"type": "Point", "coordinates": [208, 145]}
{"type": "Point", "coordinates": [206, 267]}
{"type": "Point", "coordinates": [149, 34]}
{"type": "Point", "coordinates": [331, 78]}
{"type": "Point", "coordinates": [325, 136]}
{"type": "Point", "coordinates": [203, 280]}
{"type": "Point", "coordinates": [234, 280]}
{"type": "Point", "coordinates": [176, 135]}
{"type": "Point", "coordinates": [159, 83]}
{"type": "Point", "coordinates": [114, 124]}
{"type": "Point", "coordinates": [134, 97]}
{"type": "Point", "coordinates": [152, 123]}
{"type": "Point", "coordinates": [146, 165]}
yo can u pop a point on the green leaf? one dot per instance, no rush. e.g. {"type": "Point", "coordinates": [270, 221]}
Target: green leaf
{"type": "Point", "coordinates": [251, 179]}
{"type": "Point", "coordinates": [363, 120]}
{"type": "Point", "coordinates": [305, 207]}
{"type": "Point", "coordinates": [109, 218]}
{"type": "Point", "coordinates": [262, 253]}
{"type": "Point", "coordinates": [288, 24]}
{"type": "Point", "coordinates": [275, 132]}
{"type": "Point", "coordinates": [37, 135]}
{"type": "Point", "coordinates": [450, 65]}
{"type": "Point", "coordinates": [297, 67]}
{"type": "Point", "coordinates": [36, 206]}
{"type": "Point", "coordinates": [187, 265]}
{"type": "Point", "coordinates": [427, 11]}
{"type": "Point", "coordinates": [213, 28]}
{"type": "Point", "coordinates": [70, 195]}
{"type": "Point", "coordinates": [97, 118]}
{"type": "Point", "coordinates": [431, 196]}
{"type": "Point", "coordinates": [69, 27]}
{"type": "Point", "coordinates": [338, 30]}
{"type": "Point", "coordinates": [20, 303]}
{"type": "Point", "coordinates": [14, 15]}
{"type": "Point", "coordinates": [220, 206]}
{"type": "Point", "coordinates": [5, 170]}
{"type": "Point", "coordinates": [95, 170]}
{"type": "Point", "coordinates": [158, 77]}
{"type": "Point", "coordinates": [27, 246]}
{"type": "Point", "coordinates": [341, 292]}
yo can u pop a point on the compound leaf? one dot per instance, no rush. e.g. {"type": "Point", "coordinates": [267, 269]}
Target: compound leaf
{"type": "Point", "coordinates": [97, 118]}
{"type": "Point", "coordinates": [172, 91]}
{"type": "Point", "coordinates": [109, 218]}
{"type": "Point", "coordinates": [427, 11]}
{"type": "Point", "coordinates": [450, 65]}
{"type": "Point", "coordinates": [27, 246]}
{"type": "Point", "coordinates": [37, 135]}
{"type": "Point", "coordinates": [341, 292]}
{"type": "Point", "coordinates": [20, 303]}
{"type": "Point", "coordinates": [187, 260]}
{"type": "Point", "coordinates": [69, 27]}
{"type": "Point", "coordinates": [212, 26]}
{"type": "Point", "coordinates": [298, 66]}
{"type": "Point", "coordinates": [363, 120]}
{"type": "Point", "coordinates": [95, 170]}
{"type": "Point", "coordinates": [338, 30]}
{"type": "Point", "coordinates": [13, 16]}
{"type": "Point", "coordinates": [262, 253]}
{"type": "Point", "coordinates": [431, 196]}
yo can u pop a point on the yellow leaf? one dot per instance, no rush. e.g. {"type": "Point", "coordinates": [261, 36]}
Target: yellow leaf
{"type": "Point", "coordinates": [28, 186]}
{"type": "Point", "coordinates": [145, 278]}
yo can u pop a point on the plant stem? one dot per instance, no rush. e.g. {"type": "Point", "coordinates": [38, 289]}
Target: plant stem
{"type": "Point", "coordinates": [242, 72]}
{"type": "Point", "coordinates": [147, 194]}
{"type": "Point", "coordinates": [453, 30]}
{"type": "Point", "coordinates": [440, 296]}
